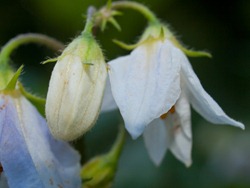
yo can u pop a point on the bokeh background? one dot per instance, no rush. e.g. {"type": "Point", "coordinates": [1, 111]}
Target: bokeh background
{"type": "Point", "coordinates": [221, 154]}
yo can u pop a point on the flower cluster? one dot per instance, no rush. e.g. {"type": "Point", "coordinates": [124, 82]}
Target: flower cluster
{"type": "Point", "coordinates": [153, 87]}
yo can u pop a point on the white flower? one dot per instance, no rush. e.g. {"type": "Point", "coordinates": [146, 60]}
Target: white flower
{"type": "Point", "coordinates": [29, 155]}
{"type": "Point", "coordinates": [155, 78]}
{"type": "Point", "coordinates": [171, 131]}
{"type": "Point", "coordinates": [145, 84]}
{"type": "Point", "coordinates": [76, 89]}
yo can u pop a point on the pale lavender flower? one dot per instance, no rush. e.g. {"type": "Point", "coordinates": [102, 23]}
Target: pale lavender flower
{"type": "Point", "coordinates": [29, 155]}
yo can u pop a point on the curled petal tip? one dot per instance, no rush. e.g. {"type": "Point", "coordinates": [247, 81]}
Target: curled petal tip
{"type": "Point", "coordinates": [241, 125]}
{"type": "Point", "coordinates": [134, 132]}
{"type": "Point", "coordinates": [134, 136]}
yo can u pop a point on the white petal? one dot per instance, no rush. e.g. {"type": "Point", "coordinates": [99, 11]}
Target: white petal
{"type": "Point", "coordinates": [145, 84]}
{"type": "Point", "coordinates": [183, 111]}
{"type": "Point", "coordinates": [180, 143]}
{"type": "Point", "coordinates": [156, 140]}
{"type": "Point", "coordinates": [201, 101]}
{"type": "Point", "coordinates": [108, 103]}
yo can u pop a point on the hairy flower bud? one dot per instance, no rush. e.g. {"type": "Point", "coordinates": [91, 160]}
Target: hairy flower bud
{"type": "Point", "coordinates": [76, 89]}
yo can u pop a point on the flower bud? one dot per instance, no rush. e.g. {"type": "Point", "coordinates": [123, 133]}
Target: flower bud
{"type": "Point", "coordinates": [100, 171]}
{"type": "Point", "coordinates": [76, 89]}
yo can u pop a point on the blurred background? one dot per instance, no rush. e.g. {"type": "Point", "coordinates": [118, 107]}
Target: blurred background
{"type": "Point", "coordinates": [221, 154]}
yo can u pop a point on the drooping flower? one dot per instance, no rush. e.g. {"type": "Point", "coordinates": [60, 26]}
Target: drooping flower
{"type": "Point", "coordinates": [155, 78]}
{"type": "Point", "coordinates": [29, 155]}
{"type": "Point", "coordinates": [145, 84]}
{"type": "Point", "coordinates": [76, 89]}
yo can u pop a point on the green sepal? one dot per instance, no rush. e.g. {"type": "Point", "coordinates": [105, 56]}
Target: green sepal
{"type": "Point", "coordinates": [193, 53]}
{"type": "Point", "coordinates": [116, 13]}
{"type": "Point", "coordinates": [113, 21]}
{"type": "Point", "coordinates": [12, 83]}
{"type": "Point", "coordinates": [188, 52]}
{"type": "Point", "coordinates": [109, 4]}
{"type": "Point", "coordinates": [38, 102]}
{"type": "Point", "coordinates": [110, 18]}
{"type": "Point", "coordinates": [51, 60]}
{"type": "Point", "coordinates": [153, 32]}
{"type": "Point", "coordinates": [103, 25]}
{"type": "Point", "coordinates": [125, 46]}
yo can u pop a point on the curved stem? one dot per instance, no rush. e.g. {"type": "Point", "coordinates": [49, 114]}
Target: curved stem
{"type": "Point", "coordinates": [138, 7]}
{"type": "Point", "coordinates": [118, 146]}
{"type": "Point", "coordinates": [29, 38]}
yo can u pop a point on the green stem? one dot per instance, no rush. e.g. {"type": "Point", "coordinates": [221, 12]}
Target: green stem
{"type": "Point", "coordinates": [28, 38]}
{"type": "Point", "coordinates": [118, 146]}
{"type": "Point", "coordinates": [90, 21]}
{"type": "Point", "coordinates": [138, 7]}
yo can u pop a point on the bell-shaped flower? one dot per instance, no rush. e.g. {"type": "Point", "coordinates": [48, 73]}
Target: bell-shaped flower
{"type": "Point", "coordinates": [145, 84]}
{"type": "Point", "coordinates": [29, 155]}
{"type": "Point", "coordinates": [76, 89]}
{"type": "Point", "coordinates": [155, 78]}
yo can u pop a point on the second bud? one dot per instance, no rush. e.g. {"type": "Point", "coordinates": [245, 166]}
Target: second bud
{"type": "Point", "coordinates": [76, 89]}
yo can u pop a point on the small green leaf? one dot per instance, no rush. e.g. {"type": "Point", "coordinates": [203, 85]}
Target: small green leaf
{"type": "Point", "coordinates": [38, 102]}
{"type": "Point", "coordinates": [12, 83]}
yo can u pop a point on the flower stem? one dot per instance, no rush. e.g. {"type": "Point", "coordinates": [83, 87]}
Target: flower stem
{"type": "Point", "coordinates": [6, 72]}
{"type": "Point", "coordinates": [145, 11]}
{"type": "Point", "coordinates": [28, 38]}
{"type": "Point", "coordinates": [118, 145]}
{"type": "Point", "coordinates": [90, 21]}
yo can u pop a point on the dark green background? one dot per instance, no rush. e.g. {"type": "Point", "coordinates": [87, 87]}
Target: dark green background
{"type": "Point", "coordinates": [221, 154]}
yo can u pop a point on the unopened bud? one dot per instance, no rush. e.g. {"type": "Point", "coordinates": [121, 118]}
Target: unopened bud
{"type": "Point", "coordinates": [76, 89]}
{"type": "Point", "coordinates": [100, 171]}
